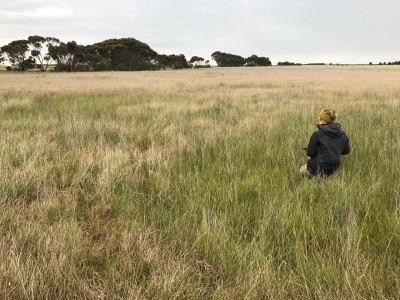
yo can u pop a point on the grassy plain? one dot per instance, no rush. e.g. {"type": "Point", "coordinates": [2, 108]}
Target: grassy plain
{"type": "Point", "coordinates": [185, 185]}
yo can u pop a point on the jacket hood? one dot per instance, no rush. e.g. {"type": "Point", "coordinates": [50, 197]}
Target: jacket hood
{"type": "Point", "coordinates": [331, 129]}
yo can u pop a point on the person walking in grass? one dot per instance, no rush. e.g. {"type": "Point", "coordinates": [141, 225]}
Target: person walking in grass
{"type": "Point", "coordinates": [325, 146]}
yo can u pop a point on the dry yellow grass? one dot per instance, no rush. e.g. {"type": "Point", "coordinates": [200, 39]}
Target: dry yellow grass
{"type": "Point", "coordinates": [331, 77]}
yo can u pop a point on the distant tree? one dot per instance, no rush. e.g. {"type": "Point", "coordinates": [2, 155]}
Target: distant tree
{"type": "Point", "coordinates": [76, 55]}
{"type": "Point", "coordinates": [287, 63]}
{"type": "Point", "coordinates": [196, 59]}
{"type": "Point", "coordinates": [393, 63]}
{"type": "Point", "coordinates": [37, 45]}
{"type": "Point", "coordinates": [199, 62]}
{"type": "Point", "coordinates": [370, 63]}
{"type": "Point", "coordinates": [218, 57]}
{"type": "Point", "coordinates": [172, 61]}
{"type": "Point", "coordinates": [17, 53]}
{"type": "Point", "coordinates": [93, 58]}
{"type": "Point", "coordinates": [264, 61]}
{"type": "Point", "coordinates": [68, 55]}
{"type": "Point", "coordinates": [206, 64]}
{"type": "Point", "coordinates": [227, 60]}
{"type": "Point", "coordinates": [254, 60]}
{"type": "Point", "coordinates": [29, 63]}
{"type": "Point", "coordinates": [2, 58]}
{"type": "Point", "coordinates": [122, 54]}
{"type": "Point", "coordinates": [59, 53]}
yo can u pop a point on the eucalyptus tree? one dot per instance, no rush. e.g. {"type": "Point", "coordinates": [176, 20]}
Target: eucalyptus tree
{"type": "Point", "coordinates": [38, 45]}
{"type": "Point", "coordinates": [227, 60]}
{"type": "Point", "coordinates": [172, 61]}
{"type": "Point", "coordinates": [255, 60]}
{"type": "Point", "coordinates": [122, 54]}
{"type": "Point", "coordinates": [67, 55]}
{"type": "Point", "coordinates": [17, 53]}
{"type": "Point", "coordinates": [196, 59]}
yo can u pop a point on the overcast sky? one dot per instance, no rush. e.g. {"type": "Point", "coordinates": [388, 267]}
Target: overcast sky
{"type": "Point", "coordinates": [305, 31]}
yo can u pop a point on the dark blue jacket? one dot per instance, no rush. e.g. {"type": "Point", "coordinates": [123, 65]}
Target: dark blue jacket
{"type": "Point", "coordinates": [325, 147]}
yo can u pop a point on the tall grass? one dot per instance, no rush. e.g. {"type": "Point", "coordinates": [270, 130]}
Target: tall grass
{"type": "Point", "coordinates": [193, 192]}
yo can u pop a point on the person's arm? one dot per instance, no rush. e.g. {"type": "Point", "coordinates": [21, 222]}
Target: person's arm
{"type": "Point", "coordinates": [346, 148]}
{"type": "Point", "coordinates": [312, 149]}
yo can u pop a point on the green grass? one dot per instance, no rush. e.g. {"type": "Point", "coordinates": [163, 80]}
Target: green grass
{"type": "Point", "coordinates": [194, 193]}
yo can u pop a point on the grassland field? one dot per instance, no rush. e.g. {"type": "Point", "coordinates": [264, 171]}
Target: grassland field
{"type": "Point", "coordinates": [185, 185]}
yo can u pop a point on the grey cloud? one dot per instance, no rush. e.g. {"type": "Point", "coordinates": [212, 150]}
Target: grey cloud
{"type": "Point", "coordinates": [306, 30]}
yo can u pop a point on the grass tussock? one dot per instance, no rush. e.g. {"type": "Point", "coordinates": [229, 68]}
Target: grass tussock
{"type": "Point", "coordinates": [192, 191]}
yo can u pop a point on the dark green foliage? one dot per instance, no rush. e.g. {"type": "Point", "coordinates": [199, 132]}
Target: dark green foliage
{"type": "Point", "coordinates": [196, 59]}
{"type": "Point", "coordinates": [17, 53]}
{"type": "Point", "coordinates": [68, 56]}
{"type": "Point", "coordinates": [127, 54]}
{"type": "Point", "coordinates": [254, 60]}
{"type": "Point", "coordinates": [227, 60]}
{"type": "Point", "coordinates": [2, 58]}
{"type": "Point", "coordinates": [287, 63]}
{"type": "Point", "coordinates": [172, 61]}
{"type": "Point", "coordinates": [37, 45]}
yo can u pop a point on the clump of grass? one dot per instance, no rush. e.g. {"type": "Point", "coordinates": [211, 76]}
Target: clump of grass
{"type": "Point", "coordinates": [194, 192]}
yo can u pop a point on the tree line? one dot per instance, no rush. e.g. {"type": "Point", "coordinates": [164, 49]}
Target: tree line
{"type": "Point", "coordinates": [232, 60]}
{"type": "Point", "coordinates": [125, 54]}
{"type": "Point", "coordinates": [390, 63]}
